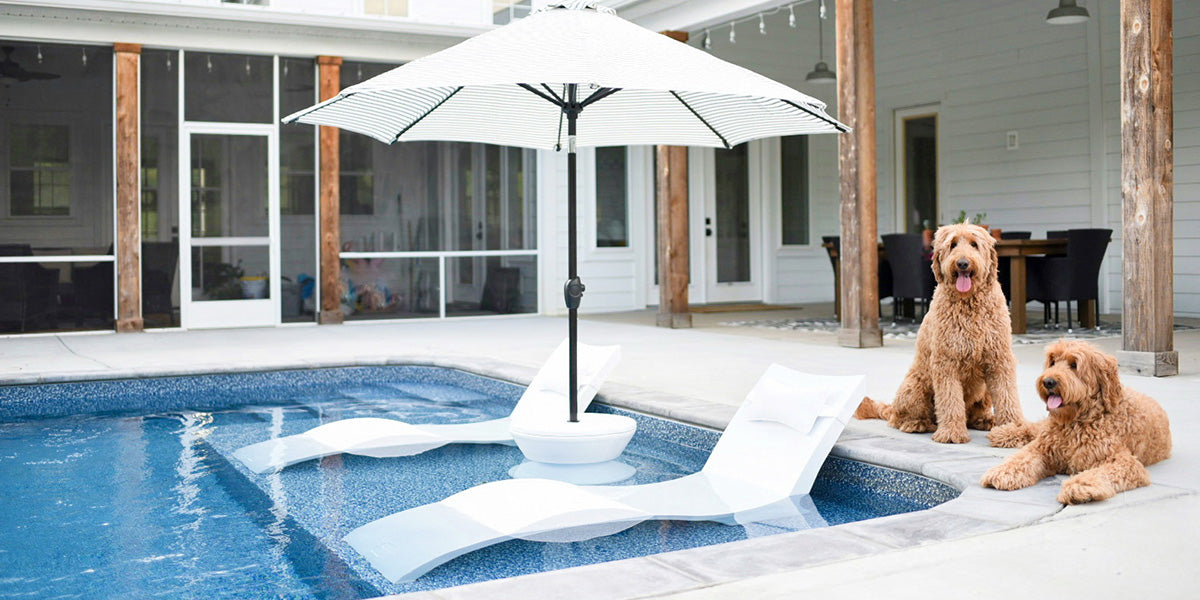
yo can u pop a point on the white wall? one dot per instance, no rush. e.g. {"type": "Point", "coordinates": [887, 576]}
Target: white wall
{"type": "Point", "coordinates": [992, 66]}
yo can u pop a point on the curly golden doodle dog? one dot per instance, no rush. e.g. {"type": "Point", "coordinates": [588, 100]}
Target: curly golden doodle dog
{"type": "Point", "coordinates": [964, 365]}
{"type": "Point", "coordinates": [1101, 433]}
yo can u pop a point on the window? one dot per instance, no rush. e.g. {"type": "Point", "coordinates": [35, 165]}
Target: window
{"type": "Point", "coordinates": [297, 176]}
{"type": "Point", "coordinates": [390, 8]}
{"type": "Point", "coordinates": [150, 187]}
{"type": "Point", "coordinates": [40, 176]}
{"type": "Point", "coordinates": [793, 197]}
{"type": "Point", "coordinates": [357, 186]}
{"type": "Point", "coordinates": [612, 201]}
{"type": "Point", "coordinates": [507, 11]}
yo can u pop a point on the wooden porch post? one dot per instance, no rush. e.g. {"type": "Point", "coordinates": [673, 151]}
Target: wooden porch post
{"type": "Point", "coordinates": [129, 233]}
{"type": "Point", "coordinates": [330, 223]}
{"type": "Point", "coordinates": [1147, 188]}
{"type": "Point", "coordinates": [856, 161]}
{"type": "Point", "coordinates": [671, 188]}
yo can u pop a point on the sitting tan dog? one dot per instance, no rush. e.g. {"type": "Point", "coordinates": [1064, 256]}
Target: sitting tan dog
{"type": "Point", "coordinates": [964, 365]}
{"type": "Point", "coordinates": [1099, 432]}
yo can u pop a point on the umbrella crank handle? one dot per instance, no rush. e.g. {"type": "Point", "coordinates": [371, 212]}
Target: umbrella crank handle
{"type": "Point", "coordinates": [573, 292]}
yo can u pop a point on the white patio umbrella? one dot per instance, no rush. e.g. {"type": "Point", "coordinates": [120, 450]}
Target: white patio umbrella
{"type": "Point", "coordinates": [614, 83]}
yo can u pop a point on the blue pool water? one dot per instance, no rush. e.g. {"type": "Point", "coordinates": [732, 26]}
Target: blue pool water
{"type": "Point", "coordinates": [127, 488]}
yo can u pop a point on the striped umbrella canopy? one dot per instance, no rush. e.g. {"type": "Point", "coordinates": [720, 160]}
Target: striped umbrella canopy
{"type": "Point", "coordinates": [572, 75]}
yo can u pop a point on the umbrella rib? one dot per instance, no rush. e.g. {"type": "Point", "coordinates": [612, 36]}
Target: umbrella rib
{"type": "Point", "coordinates": [702, 120]}
{"type": "Point", "coordinates": [426, 113]}
{"type": "Point", "coordinates": [552, 98]}
{"type": "Point", "coordinates": [836, 125]}
{"type": "Point", "coordinates": [600, 94]}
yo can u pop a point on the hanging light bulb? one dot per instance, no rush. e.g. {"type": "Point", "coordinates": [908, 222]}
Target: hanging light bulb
{"type": "Point", "coordinates": [707, 40]}
{"type": "Point", "coordinates": [732, 34]}
{"type": "Point", "coordinates": [762, 26]}
{"type": "Point", "coordinates": [247, 66]}
{"type": "Point", "coordinates": [39, 48]}
{"type": "Point", "coordinates": [208, 62]}
{"type": "Point", "coordinates": [285, 67]}
{"type": "Point", "coordinates": [792, 16]}
{"type": "Point", "coordinates": [83, 56]}
{"type": "Point", "coordinates": [821, 72]}
{"type": "Point", "coordinates": [168, 63]}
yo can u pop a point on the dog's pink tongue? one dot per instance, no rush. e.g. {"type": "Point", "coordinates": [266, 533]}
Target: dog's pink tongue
{"type": "Point", "coordinates": [1054, 401]}
{"type": "Point", "coordinates": [963, 283]}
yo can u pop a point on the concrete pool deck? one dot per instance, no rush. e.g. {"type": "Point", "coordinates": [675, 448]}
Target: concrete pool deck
{"type": "Point", "coordinates": [984, 544]}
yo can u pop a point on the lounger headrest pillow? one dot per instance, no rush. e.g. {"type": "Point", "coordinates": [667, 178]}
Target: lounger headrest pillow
{"type": "Point", "coordinates": [773, 400]}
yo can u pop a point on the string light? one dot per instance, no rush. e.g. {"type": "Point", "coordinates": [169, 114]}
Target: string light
{"type": "Point", "coordinates": [762, 25]}
{"type": "Point", "coordinates": [39, 48]}
{"type": "Point", "coordinates": [822, 12]}
{"type": "Point", "coordinates": [83, 56]}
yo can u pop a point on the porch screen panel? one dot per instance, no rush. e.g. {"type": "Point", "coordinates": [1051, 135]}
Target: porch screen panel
{"type": "Point", "coordinates": [56, 188]}
{"type": "Point", "coordinates": [159, 107]}
{"type": "Point", "coordinates": [793, 209]}
{"type": "Point", "coordinates": [297, 193]}
{"type": "Point", "coordinates": [228, 88]}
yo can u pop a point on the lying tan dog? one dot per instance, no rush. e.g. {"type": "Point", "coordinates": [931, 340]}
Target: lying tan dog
{"type": "Point", "coordinates": [964, 365]}
{"type": "Point", "coordinates": [1099, 432]}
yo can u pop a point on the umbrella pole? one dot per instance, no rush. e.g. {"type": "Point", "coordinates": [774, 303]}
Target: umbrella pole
{"type": "Point", "coordinates": [573, 290]}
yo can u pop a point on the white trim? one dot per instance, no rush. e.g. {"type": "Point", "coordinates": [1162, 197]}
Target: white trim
{"type": "Point", "coordinates": [1097, 148]}
{"type": "Point", "coordinates": [59, 258]}
{"type": "Point", "coordinates": [437, 253]}
{"type": "Point", "coordinates": [230, 241]}
{"type": "Point", "coordinates": [739, 291]}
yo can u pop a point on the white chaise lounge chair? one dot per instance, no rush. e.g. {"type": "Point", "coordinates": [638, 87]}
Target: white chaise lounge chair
{"type": "Point", "coordinates": [768, 455]}
{"type": "Point", "coordinates": [381, 438]}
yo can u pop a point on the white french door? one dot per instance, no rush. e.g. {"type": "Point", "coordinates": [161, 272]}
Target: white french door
{"type": "Point", "coordinates": [229, 225]}
{"type": "Point", "coordinates": [732, 247]}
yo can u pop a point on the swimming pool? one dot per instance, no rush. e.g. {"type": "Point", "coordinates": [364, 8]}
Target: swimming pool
{"type": "Point", "coordinates": [124, 487]}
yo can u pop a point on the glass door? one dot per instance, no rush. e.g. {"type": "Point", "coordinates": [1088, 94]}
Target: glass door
{"type": "Point", "coordinates": [731, 228]}
{"type": "Point", "coordinates": [917, 169]}
{"type": "Point", "coordinates": [229, 223]}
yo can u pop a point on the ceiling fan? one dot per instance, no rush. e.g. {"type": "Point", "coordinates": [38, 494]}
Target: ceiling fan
{"type": "Point", "coordinates": [12, 72]}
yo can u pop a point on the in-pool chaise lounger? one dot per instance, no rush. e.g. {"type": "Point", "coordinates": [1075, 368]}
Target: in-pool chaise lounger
{"type": "Point", "coordinates": [381, 438]}
{"type": "Point", "coordinates": [767, 457]}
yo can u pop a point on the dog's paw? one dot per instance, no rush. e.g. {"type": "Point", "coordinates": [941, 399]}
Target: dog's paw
{"type": "Point", "coordinates": [1080, 489]}
{"type": "Point", "coordinates": [1010, 435]}
{"type": "Point", "coordinates": [915, 426]}
{"type": "Point", "coordinates": [1004, 477]}
{"type": "Point", "coordinates": [982, 423]}
{"type": "Point", "coordinates": [945, 435]}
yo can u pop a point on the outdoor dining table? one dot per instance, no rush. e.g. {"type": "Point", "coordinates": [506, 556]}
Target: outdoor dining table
{"type": "Point", "coordinates": [1015, 252]}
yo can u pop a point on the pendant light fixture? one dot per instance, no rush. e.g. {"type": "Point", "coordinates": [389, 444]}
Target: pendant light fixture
{"type": "Point", "coordinates": [1067, 13]}
{"type": "Point", "coordinates": [821, 73]}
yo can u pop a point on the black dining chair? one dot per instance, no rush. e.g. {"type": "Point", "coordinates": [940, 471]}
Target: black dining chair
{"type": "Point", "coordinates": [1054, 279]}
{"type": "Point", "coordinates": [833, 246]}
{"type": "Point", "coordinates": [1015, 235]}
{"type": "Point", "coordinates": [912, 272]}
{"type": "Point", "coordinates": [1056, 234]}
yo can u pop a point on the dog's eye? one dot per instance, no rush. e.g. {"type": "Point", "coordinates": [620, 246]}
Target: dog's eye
{"type": "Point", "coordinates": [953, 245]}
{"type": "Point", "coordinates": [974, 245]}
{"type": "Point", "coordinates": [1072, 365]}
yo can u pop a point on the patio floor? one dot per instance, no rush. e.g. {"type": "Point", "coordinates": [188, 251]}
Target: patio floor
{"type": "Point", "coordinates": [986, 544]}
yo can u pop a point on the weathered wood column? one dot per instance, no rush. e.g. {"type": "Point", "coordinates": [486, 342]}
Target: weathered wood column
{"type": "Point", "coordinates": [129, 232]}
{"type": "Point", "coordinates": [1147, 188]}
{"type": "Point", "coordinates": [330, 68]}
{"type": "Point", "coordinates": [671, 188]}
{"type": "Point", "coordinates": [856, 162]}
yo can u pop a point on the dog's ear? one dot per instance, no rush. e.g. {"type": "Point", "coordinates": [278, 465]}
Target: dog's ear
{"type": "Point", "coordinates": [1101, 368]}
{"type": "Point", "coordinates": [939, 250]}
{"type": "Point", "coordinates": [993, 260]}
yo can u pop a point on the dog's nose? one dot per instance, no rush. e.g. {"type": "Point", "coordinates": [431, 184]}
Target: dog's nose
{"type": "Point", "coordinates": [962, 264]}
{"type": "Point", "coordinates": [1049, 382]}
